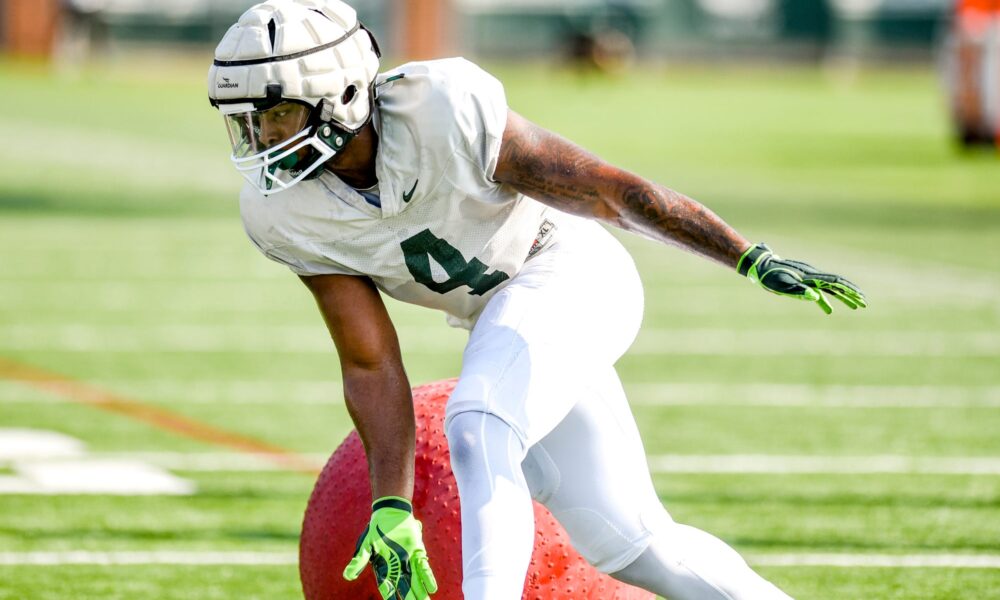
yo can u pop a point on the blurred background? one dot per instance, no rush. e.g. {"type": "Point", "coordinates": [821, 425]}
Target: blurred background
{"type": "Point", "coordinates": [167, 394]}
{"type": "Point", "coordinates": [656, 30]}
{"type": "Point", "coordinates": [607, 35]}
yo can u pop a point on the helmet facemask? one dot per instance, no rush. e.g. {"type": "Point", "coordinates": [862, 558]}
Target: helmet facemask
{"type": "Point", "coordinates": [275, 148]}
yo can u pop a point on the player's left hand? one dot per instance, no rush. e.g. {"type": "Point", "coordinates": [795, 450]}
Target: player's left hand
{"type": "Point", "coordinates": [796, 279]}
{"type": "Point", "coordinates": [393, 544]}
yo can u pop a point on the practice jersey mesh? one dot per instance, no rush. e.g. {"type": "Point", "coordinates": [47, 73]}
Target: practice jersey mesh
{"type": "Point", "coordinates": [446, 235]}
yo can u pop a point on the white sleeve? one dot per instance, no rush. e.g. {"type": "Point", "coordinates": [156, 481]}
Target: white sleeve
{"type": "Point", "coordinates": [305, 261]}
{"type": "Point", "coordinates": [305, 258]}
{"type": "Point", "coordinates": [454, 108]}
{"type": "Point", "coordinates": [480, 106]}
{"type": "Point", "coordinates": [277, 256]}
{"type": "Point", "coordinates": [310, 259]}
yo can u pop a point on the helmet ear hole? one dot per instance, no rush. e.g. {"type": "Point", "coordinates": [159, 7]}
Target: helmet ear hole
{"type": "Point", "coordinates": [349, 94]}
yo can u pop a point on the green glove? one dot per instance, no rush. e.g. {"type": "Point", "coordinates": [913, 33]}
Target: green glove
{"type": "Point", "coordinates": [393, 545]}
{"type": "Point", "coordinates": [796, 279]}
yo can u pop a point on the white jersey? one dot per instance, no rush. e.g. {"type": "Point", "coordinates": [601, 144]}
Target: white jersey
{"type": "Point", "coordinates": [446, 235]}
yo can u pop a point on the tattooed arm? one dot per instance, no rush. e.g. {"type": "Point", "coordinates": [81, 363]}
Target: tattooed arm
{"type": "Point", "coordinates": [552, 170]}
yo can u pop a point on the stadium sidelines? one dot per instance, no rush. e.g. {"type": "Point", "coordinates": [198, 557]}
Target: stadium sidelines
{"type": "Point", "coordinates": [219, 392]}
{"type": "Point", "coordinates": [651, 341]}
{"type": "Point", "coordinates": [204, 558]}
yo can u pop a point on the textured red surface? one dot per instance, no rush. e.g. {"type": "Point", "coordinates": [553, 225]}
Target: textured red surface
{"type": "Point", "coordinates": [341, 504]}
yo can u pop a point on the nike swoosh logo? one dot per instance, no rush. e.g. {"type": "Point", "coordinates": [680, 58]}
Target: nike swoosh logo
{"type": "Point", "coordinates": [408, 195]}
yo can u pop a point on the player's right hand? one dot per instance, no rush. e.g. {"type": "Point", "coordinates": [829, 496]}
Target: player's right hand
{"type": "Point", "coordinates": [796, 279]}
{"type": "Point", "coordinates": [393, 544]}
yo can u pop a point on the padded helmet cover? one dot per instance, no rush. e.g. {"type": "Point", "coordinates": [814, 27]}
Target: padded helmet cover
{"type": "Point", "coordinates": [315, 50]}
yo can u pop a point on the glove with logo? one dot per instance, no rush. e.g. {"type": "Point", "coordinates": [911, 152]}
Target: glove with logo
{"type": "Point", "coordinates": [393, 544]}
{"type": "Point", "coordinates": [796, 279]}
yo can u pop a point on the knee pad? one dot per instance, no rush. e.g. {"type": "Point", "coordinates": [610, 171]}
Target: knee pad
{"type": "Point", "coordinates": [602, 540]}
{"type": "Point", "coordinates": [608, 533]}
{"type": "Point", "coordinates": [474, 394]}
{"type": "Point", "coordinates": [462, 438]}
{"type": "Point", "coordinates": [478, 438]}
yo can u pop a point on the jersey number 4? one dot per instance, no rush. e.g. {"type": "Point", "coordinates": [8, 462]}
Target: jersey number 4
{"type": "Point", "coordinates": [419, 249]}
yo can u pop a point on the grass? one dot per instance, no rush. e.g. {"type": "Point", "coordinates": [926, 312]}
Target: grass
{"type": "Point", "coordinates": [215, 583]}
{"type": "Point", "coordinates": [126, 268]}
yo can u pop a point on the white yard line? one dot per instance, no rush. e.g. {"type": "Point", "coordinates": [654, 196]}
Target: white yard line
{"type": "Point", "coordinates": [796, 342]}
{"type": "Point", "coordinates": [265, 339]}
{"type": "Point", "coordinates": [258, 339]}
{"type": "Point", "coordinates": [906, 561]}
{"type": "Point", "coordinates": [329, 393]}
{"type": "Point", "coordinates": [812, 395]}
{"type": "Point", "coordinates": [747, 464]}
{"type": "Point", "coordinates": [150, 295]}
{"type": "Point", "coordinates": [211, 462]}
{"type": "Point", "coordinates": [195, 558]}
{"type": "Point", "coordinates": [239, 558]}
{"type": "Point", "coordinates": [212, 392]}
{"type": "Point", "coordinates": [824, 465]}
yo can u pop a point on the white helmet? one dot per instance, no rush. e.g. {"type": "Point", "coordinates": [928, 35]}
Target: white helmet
{"type": "Point", "coordinates": [294, 80]}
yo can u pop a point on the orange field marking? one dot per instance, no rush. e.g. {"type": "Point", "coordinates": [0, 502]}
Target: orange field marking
{"type": "Point", "coordinates": [160, 418]}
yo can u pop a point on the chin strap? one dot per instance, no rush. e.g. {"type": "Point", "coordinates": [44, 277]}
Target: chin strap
{"type": "Point", "coordinates": [328, 134]}
{"type": "Point", "coordinates": [332, 137]}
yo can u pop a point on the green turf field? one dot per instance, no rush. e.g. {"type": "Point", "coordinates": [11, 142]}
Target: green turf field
{"type": "Point", "coordinates": [851, 456]}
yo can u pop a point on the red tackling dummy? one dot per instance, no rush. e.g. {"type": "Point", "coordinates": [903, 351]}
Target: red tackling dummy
{"type": "Point", "coordinates": [341, 505]}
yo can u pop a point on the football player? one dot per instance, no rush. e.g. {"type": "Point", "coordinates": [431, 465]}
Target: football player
{"type": "Point", "coordinates": [420, 183]}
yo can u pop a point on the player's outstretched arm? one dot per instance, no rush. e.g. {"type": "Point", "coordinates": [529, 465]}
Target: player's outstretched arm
{"type": "Point", "coordinates": [559, 173]}
{"type": "Point", "coordinates": [376, 389]}
{"type": "Point", "coordinates": [555, 171]}
{"type": "Point", "coordinates": [378, 397]}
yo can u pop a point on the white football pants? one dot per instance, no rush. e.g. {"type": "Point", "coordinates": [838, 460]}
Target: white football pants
{"type": "Point", "coordinates": [539, 412]}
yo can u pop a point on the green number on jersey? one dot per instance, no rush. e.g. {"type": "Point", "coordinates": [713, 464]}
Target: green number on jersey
{"type": "Point", "coordinates": [419, 249]}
